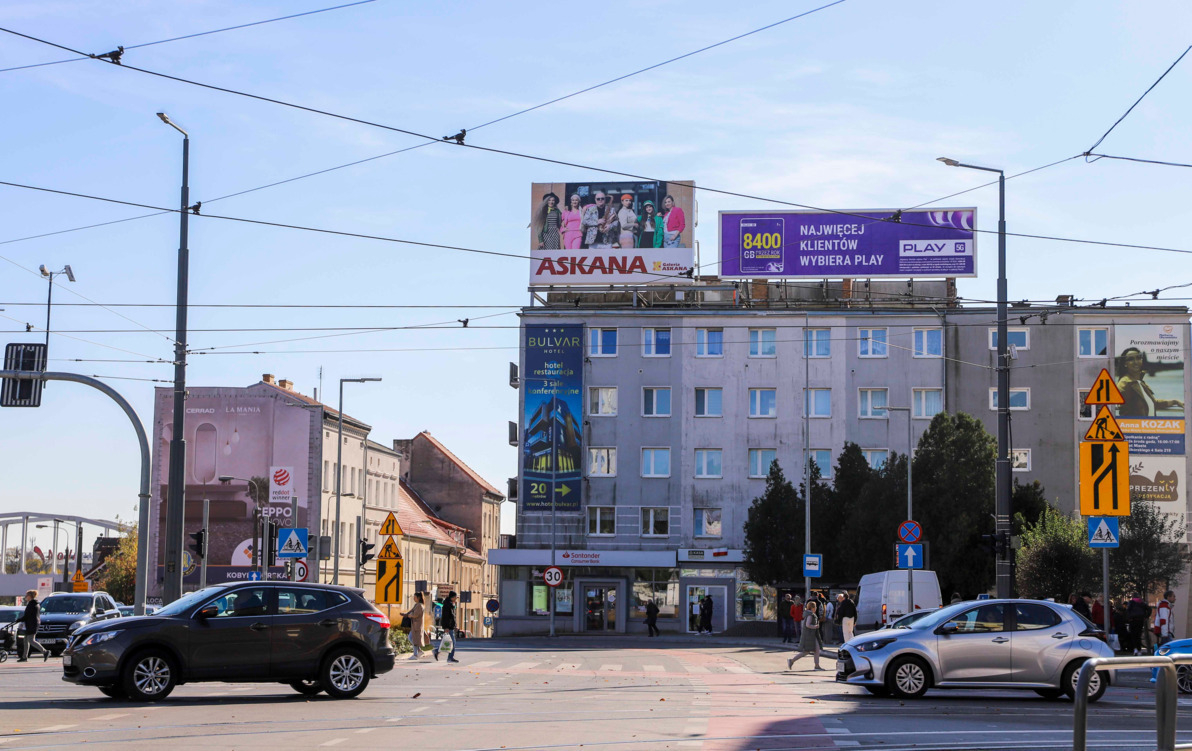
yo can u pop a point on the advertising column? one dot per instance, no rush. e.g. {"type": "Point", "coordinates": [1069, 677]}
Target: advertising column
{"type": "Point", "coordinates": [552, 438]}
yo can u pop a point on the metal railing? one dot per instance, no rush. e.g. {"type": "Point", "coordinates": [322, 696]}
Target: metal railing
{"type": "Point", "coordinates": [1166, 695]}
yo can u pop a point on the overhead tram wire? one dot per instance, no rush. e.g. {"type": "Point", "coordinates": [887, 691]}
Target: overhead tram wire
{"type": "Point", "coordinates": [1136, 102]}
{"type": "Point", "coordinates": [32, 328]}
{"type": "Point", "coordinates": [191, 36]}
{"type": "Point", "coordinates": [1135, 159]}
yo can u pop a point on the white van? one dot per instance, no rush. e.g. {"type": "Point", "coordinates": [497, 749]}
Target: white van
{"type": "Point", "coordinates": [881, 597]}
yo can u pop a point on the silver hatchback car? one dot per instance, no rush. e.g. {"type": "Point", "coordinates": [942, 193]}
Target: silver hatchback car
{"type": "Point", "coordinates": [1025, 644]}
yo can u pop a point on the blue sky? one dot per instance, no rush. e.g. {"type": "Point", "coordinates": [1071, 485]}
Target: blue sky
{"type": "Point", "coordinates": [846, 108]}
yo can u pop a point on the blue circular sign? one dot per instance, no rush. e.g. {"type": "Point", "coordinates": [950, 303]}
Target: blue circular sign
{"type": "Point", "coordinates": [910, 531]}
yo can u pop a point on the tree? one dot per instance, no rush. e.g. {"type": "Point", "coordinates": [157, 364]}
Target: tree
{"type": "Point", "coordinates": [1029, 502]}
{"type": "Point", "coordinates": [830, 519]}
{"type": "Point", "coordinates": [774, 532]}
{"type": "Point", "coordinates": [1055, 559]}
{"type": "Point", "coordinates": [119, 574]}
{"type": "Point", "coordinates": [1151, 555]}
{"type": "Point", "coordinates": [867, 539]}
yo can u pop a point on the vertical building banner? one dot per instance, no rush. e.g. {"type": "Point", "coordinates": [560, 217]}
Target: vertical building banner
{"type": "Point", "coordinates": [552, 433]}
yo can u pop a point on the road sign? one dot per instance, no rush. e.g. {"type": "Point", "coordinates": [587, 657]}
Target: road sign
{"type": "Point", "coordinates": [1105, 427]}
{"type": "Point", "coordinates": [1105, 479]}
{"type": "Point", "coordinates": [553, 576]}
{"type": "Point", "coordinates": [22, 356]}
{"type": "Point", "coordinates": [293, 543]}
{"type": "Point", "coordinates": [391, 527]}
{"type": "Point", "coordinates": [301, 570]}
{"type": "Point", "coordinates": [188, 563]}
{"type": "Point", "coordinates": [78, 583]}
{"type": "Point", "coordinates": [910, 556]}
{"type": "Point", "coordinates": [492, 605]}
{"type": "Point", "coordinates": [389, 551]}
{"type": "Point", "coordinates": [45, 587]}
{"type": "Point", "coordinates": [388, 581]}
{"type": "Point", "coordinates": [1104, 391]}
{"type": "Point", "coordinates": [910, 531]}
{"type": "Point", "coordinates": [1103, 532]}
{"type": "Point", "coordinates": [488, 621]}
{"type": "Point", "coordinates": [813, 565]}
{"type": "Point", "coordinates": [254, 576]}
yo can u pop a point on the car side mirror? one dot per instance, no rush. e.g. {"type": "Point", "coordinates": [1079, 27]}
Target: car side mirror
{"type": "Point", "coordinates": [209, 611]}
{"type": "Point", "coordinates": [948, 628]}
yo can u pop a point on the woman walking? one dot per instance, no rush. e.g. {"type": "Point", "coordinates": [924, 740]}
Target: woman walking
{"type": "Point", "coordinates": [31, 619]}
{"type": "Point", "coordinates": [808, 645]}
{"type": "Point", "coordinates": [417, 631]}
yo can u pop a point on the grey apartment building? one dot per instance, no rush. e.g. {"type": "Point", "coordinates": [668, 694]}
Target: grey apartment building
{"type": "Point", "coordinates": [688, 395]}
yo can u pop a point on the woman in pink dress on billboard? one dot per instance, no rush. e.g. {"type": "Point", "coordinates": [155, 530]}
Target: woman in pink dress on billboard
{"type": "Point", "coordinates": [573, 233]}
{"type": "Point", "coordinates": [674, 221]}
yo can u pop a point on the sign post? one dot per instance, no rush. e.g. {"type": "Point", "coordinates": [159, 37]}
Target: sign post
{"type": "Point", "coordinates": [1104, 476]}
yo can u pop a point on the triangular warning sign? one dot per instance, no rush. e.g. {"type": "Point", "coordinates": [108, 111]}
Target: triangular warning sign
{"type": "Point", "coordinates": [1103, 534]}
{"type": "Point", "coordinates": [389, 551]}
{"type": "Point", "coordinates": [78, 575]}
{"type": "Point", "coordinates": [293, 544]}
{"type": "Point", "coordinates": [1104, 391]}
{"type": "Point", "coordinates": [391, 527]}
{"type": "Point", "coordinates": [1104, 427]}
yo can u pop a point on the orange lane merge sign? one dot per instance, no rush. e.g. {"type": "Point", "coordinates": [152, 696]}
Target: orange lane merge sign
{"type": "Point", "coordinates": [391, 527]}
{"type": "Point", "coordinates": [1104, 391]}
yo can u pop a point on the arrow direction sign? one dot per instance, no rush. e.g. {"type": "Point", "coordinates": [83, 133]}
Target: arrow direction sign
{"type": "Point", "coordinates": [1105, 478]}
{"type": "Point", "coordinates": [388, 582]}
{"type": "Point", "coordinates": [1104, 391]}
{"type": "Point", "coordinates": [1103, 531]}
{"type": "Point", "coordinates": [910, 555]}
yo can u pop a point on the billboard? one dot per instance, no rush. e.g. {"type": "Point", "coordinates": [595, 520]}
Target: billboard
{"type": "Point", "coordinates": [552, 415]}
{"type": "Point", "coordinates": [252, 433]}
{"type": "Point", "coordinates": [862, 243]}
{"type": "Point", "coordinates": [1148, 368]}
{"type": "Point", "coordinates": [612, 232]}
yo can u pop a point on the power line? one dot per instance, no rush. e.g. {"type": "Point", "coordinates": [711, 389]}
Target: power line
{"type": "Point", "coordinates": [1097, 157]}
{"type": "Point", "coordinates": [1132, 106]}
{"type": "Point", "coordinates": [31, 327]}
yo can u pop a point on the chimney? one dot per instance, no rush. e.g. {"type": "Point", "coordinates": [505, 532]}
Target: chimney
{"type": "Point", "coordinates": [268, 378]}
{"type": "Point", "coordinates": [287, 385]}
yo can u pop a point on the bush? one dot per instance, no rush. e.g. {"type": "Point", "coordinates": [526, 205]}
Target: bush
{"type": "Point", "coordinates": [400, 641]}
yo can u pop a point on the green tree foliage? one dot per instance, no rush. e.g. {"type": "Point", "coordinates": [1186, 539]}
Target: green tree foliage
{"type": "Point", "coordinates": [1151, 557]}
{"type": "Point", "coordinates": [119, 574]}
{"type": "Point", "coordinates": [867, 537]}
{"type": "Point", "coordinates": [830, 518]}
{"type": "Point", "coordinates": [1055, 559]}
{"type": "Point", "coordinates": [774, 532]}
{"type": "Point", "coordinates": [1029, 502]}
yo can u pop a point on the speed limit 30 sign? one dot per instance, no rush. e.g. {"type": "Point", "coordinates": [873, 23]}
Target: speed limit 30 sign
{"type": "Point", "coordinates": [553, 576]}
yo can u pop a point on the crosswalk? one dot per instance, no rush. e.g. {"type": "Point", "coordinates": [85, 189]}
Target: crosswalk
{"type": "Point", "coordinates": [674, 667]}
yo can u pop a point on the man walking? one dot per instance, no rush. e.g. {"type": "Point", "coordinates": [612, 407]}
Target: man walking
{"type": "Point", "coordinates": [31, 619]}
{"type": "Point", "coordinates": [705, 615]}
{"type": "Point", "coordinates": [1163, 617]}
{"type": "Point", "coordinates": [652, 618]}
{"type": "Point", "coordinates": [447, 623]}
{"type": "Point", "coordinates": [846, 616]}
{"type": "Point", "coordinates": [784, 618]}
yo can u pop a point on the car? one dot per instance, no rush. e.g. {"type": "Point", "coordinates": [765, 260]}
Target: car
{"type": "Point", "coordinates": [906, 620]}
{"type": "Point", "coordinates": [63, 613]}
{"type": "Point", "coordinates": [1020, 644]}
{"type": "Point", "coordinates": [1183, 673]}
{"type": "Point", "coordinates": [311, 637]}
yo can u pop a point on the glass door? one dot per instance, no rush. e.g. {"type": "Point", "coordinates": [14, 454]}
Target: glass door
{"type": "Point", "coordinates": [595, 607]}
{"type": "Point", "coordinates": [695, 595]}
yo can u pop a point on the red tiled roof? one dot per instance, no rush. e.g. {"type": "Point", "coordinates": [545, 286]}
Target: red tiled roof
{"type": "Point", "coordinates": [331, 411]}
{"type": "Point", "coordinates": [416, 518]}
{"type": "Point", "coordinates": [484, 484]}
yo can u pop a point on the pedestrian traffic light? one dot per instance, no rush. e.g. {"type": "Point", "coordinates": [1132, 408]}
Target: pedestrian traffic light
{"type": "Point", "coordinates": [1002, 544]}
{"type": "Point", "coordinates": [269, 541]}
{"type": "Point", "coordinates": [362, 554]}
{"type": "Point", "coordinates": [199, 546]}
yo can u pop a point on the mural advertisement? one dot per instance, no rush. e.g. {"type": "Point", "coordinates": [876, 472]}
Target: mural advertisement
{"type": "Point", "coordinates": [552, 441]}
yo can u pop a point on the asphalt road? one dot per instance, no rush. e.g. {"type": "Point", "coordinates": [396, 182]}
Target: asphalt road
{"type": "Point", "coordinates": [566, 694]}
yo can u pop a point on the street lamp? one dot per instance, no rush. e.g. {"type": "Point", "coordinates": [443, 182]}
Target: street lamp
{"type": "Point", "coordinates": [910, 509]}
{"type": "Point", "coordinates": [339, 470]}
{"type": "Point", "coordinates": [1002, 508]}
{"type": "Point", "coordinates": [49, 275]}
{"type": "Point", "coordinates": [176, 497]}
{"type": "Point", "coordinates": [256, 499]}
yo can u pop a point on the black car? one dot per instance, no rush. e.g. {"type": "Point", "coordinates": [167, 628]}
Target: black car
{"type": "Point", "coordinates": [63, 613]}
{"type": "Point", "coordinates": [312, 637]}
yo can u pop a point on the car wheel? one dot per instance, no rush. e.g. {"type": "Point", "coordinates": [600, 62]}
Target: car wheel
{"type": "Point", "coordinates": [1183, 678]}
{"type": "Point", "coordinates": [1097, 684]}
{"type": "Point", "coordinates": [307, 688]}
{"type": "Point", "coordinates": [345, 674]}
{"type": "Point", "coordinates": [114, 691]}
{"type": "Point", "coordinates": [149, 676]}
{"type": "Point", "coordinates": [908, 678]}
{"type": "Point", "coordinates": [878, 690]}
{"type": "Point", "coordinates": [1049, 693]}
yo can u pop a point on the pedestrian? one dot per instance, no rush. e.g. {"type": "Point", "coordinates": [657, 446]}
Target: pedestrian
{"type": "Point", "coordinates": [1163, 618]}
{"type": "Point", "coordinates": [417, 632]}
{"type": "Point", "coordinates": [1098, 612]}
{"type": "Point", "coordinates": [652, 618]}
{"type": "Point", "coordinates": [1121, 625]}
{"type": "Point", "coordinates": [808, 642]}
{"type": "Point", "coordinates": [956, 598]}
{"type": "Point", "coordinates": [846, 614]}
{"type": "Point", "coordinates": [1082, 605]}
{"type": "Point", "coordinates": [705, 615]}
{"type": "Point", "coordinates": [828, 621]}
{"type": "Point", "coordinates": [785, 620]}
{"type": "Point", "coordinates": [31, 619]}
{"type": "Point", "coordinates": [797, 616]}
{"type": "Point", "coordinates": [819, 612]}
{"type": "Point", "coordinates": [447, 623]}
{"type": "Point", "coordinates": [1136, 622]}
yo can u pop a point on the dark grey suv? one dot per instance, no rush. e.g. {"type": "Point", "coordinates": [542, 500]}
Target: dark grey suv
{"type": "Point", "coordinates": [312, 637]}
{"type": "Point", "coordinates": [64, 613]}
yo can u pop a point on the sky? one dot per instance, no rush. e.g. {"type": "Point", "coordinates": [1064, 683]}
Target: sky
{"type": "Point", "coordinates": [845, 108]}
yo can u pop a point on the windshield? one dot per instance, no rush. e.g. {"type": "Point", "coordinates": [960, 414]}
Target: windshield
{"type": "Point", "coordinates": [186, 602]}
{"type": "Point", "coordinates": [914, 620]}
{"type": "Point", "coordinates": [67, 604]}
{"type": "Point", "coordinates": [8, 616]}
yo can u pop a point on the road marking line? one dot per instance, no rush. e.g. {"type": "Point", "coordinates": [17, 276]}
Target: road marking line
{"type": "Point", "coordinates": [361, 731]}
{"type": "Point", "coordinates": [418, 709]}
{"type": "Point", "coordinates": [848, 743]}
{"type": "Point", "coordinates": [439, 701]}
{"type": "Point", "coordinates": [484, 664]}
{"type": "Point", "coordinates": [524, 666]}
{"type": "Point", "coordinates": [243, 688]}
{"type": "Point", "coordinates": [397, 719]}
{"type": "Point", "coordinates": [838, 730]}
{"type": "Point", "coordinates": [610, 667]}
{"type": "Point", "coordinates": [697, 669]}
{"type": "Point", "coordinates": [115, 716]}
{"type": "Point", "coordinates": [737, 669]}
{"type": "Point", "coordinates": [217, 693]}
{"type": "Point", "coordinates": [333, 742]}
{"type": "Point", "coordinates": [653, 668]}
{"type": "Point", "coordinates": [53, 728]}
{"type": "Point", "coordinates": [456, 694]}
{"type": "Point", "coordinates": [568, 666]}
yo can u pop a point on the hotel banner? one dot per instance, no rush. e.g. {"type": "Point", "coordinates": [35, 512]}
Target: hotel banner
{"type": "Point", "coordinates": [552, 432]}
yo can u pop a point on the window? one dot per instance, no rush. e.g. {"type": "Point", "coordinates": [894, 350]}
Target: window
{"type": "Point", "coordinates": [817, 402]}
{"type": "Point", "coordinates": [241, 603]}
{"type": "Point", "coordinates": [927, 402]}
{"type": "Point", "coordinates": [707, 522]}
{"type": "Point", "coordinates": [763, 403]}
{"type": "Point", "coordinates": [1020, 460]}
{"type": "Point", "coordinates": [762, 343]}
{"type": "Point", "coordinates": [1017, 338]}
{"type": "Point", "coordinates": [707, 403]}
{"type": "Point", "coordinates": [823, 460]}
{"type": "Point", "coordinates": [873, 403]}
{"type": "Point", "coordinates": [982, 620]}
{"type": "Point", "coordinates": [817, 343]}
{"type": "Point", "coordinates": [326, 476]}
{"type": "Point", "coordinates": [1093, 342]}
{"type": "Point", "coordinates": [1032, 617]}
{"type": "Point", "coordinates": [602, 342]}
{"type": "Point", "coordinates": [656, 402]}
{"type": "Point", "coordinates": [601, 521]}
{"type": "Point", "coordinates": [1083, 411]}
{"type": "Point", "coordinates": [709, 342]}
{"type": "Point", "coordinates": [872, 343]}
{"type": "Point", "coordinates": [660, 585]}
{"type": "Point", "coordinates": [656, 342]}
{"type": "Point", "coordinates": [1020, 399]}
{"type": "Point", "coordinates": [602, 462]}
{"type": "Point", "coordinates": [760, 460]}
{"type": "Point", "coordinates": [876, 457]}
{"type": "Point", "coordinates": [708, 463]}
{"type": "Point", "coordinates": [655, 522]}
{"type": "Point", "coordinates": [300, 600]}
{"type": "Point", "coordinates": [602, 401]}
{"type": "Point", "coordinates": [929, 342]}
{"type": "Point", "coordinates": [655, 462]}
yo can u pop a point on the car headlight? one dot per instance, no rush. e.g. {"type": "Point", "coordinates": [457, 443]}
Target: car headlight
{"type": "Point", "coordinates": [99, 638]}
{"type": "Point", "coordinates": [77, 625]}
{"type": "Point", "coordinates": [873, 645]}
{"type": "Point", "coordinates": [1163, 650]}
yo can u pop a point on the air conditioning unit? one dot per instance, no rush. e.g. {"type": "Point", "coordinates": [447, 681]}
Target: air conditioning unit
{"type": "Point", "coordinates": [514, 376]}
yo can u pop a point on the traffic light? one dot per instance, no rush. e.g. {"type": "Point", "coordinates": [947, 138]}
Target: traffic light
{"type": "Point", "coordinates": [362, 554]}
{"type": "Point", "coordinates": [989, 543]}
{"type": "Point", "coordinates": [199, 546]}
{"type": "Point", "coordinates": [269, 543]}
{"type": "Point", "coordinates": [1002, 544]}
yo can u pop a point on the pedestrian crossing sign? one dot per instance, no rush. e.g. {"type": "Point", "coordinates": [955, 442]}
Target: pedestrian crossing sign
{"type": "Point", "coordinates": [1103, 532]}
{"type": "Point", "coordinates": [292, 543]}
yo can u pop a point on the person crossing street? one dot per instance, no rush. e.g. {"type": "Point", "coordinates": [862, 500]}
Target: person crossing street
{"type": "Point", "coordinates": [31, 619]}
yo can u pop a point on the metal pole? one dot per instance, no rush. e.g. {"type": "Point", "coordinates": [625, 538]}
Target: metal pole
{"type": "Point", "coordinates": [359, 537]}
{"type": "Point", "coordinates": [54, 562]}
{"type": "Point", "coordinates": [807, 453]}
{"type": "Point", "coordinates": [78, 547]}
{"type": "Point", "coordinates": [1107, 610]}
{"type": "Point", "coordinates": [339, 476]}
{"type": "Point", "coordinates": [206, 543]}
{"type": "Point", "coordinates": [49, 300]}
{"type": "Point", "coordinates": [176, 498]}
{"type": "Point", "coordinates": [554, 476]}
{"type": "Point", "coordinates": [910, 507]}
{"type": "Point", "coordinates": [1002, 509]}
{"type": "Point", "coordinates": [24, 537]}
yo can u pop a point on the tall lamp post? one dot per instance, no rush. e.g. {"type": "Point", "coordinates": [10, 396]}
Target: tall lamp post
{"type": "Point", "coordinates": [49, 275]}
{"type": "Point", "coordinates": [1002, 510]}
{"type": "Point", "coordinates": [339, 470]}
{"type": "Point", "coordinates": [910, 508]}
{"type": "Point", "coordinates": [256, 499]}
{"type": "Point", "coordinates": [176, 497]}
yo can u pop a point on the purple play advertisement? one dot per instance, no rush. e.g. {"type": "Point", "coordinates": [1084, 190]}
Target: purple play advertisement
{"type": "Point", "coordinates": [863, 243]}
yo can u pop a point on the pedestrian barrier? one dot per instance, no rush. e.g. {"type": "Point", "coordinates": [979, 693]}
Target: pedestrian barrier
{"type": "Point", "coordinates": [1166, 695]}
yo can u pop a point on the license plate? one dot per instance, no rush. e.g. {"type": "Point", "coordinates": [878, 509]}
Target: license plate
{"type": "Point", "coordinates": [66, 660]}
{"type": "Point", "coordinates": [840, 667]}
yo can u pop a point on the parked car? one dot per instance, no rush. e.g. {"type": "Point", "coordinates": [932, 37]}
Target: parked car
{"type": "Point", "coordinates": [1183, 673]}
{"type": "Point", "coordinates": [1023, 644]}
{"type": "Point", "coordinates": [63, 613]}
{"type": "Point", "coordinates": [882, 597]}
{"type": "Point", "coordinates": [906, 620]}
{"type": "Point", "coordinates": [311, 637]}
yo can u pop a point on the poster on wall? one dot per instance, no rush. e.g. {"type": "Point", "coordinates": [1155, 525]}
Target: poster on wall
{"type": "Point", "coordinates": [552, 437]}
{"type": "Point", "coordinates": [612, 232]}
{"type": "Point", "coordinates": [1160, 480]}
{"type": "Point", "coordinates": [848, 243]}
{"type": "Point", "coordinates": [1149, 371]}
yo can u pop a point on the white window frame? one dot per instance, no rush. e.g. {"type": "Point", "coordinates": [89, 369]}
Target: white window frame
{"type": "Point", "coordinates": [704, 535]}
{"type": "Point", "coordinates": [1010, 330]}
{"type": "Point", "coordinates": [695, 401]}
{"type": "Point", "coordinates": [1027, 468]}
{"type": "Point", "coordinates": [669, 463]}
{"type": "Point", "coordinates": [616, 397]}
{"type": "Point", "coordinates": [596, 341]}
{"type": "Point", "coordinates": [915, 342]}
{"type": "Point", "coordinates": [758, 390]}
{"type": "Point", "coordinates": [704, 345]}
{"type": "Point", "coordinates": [862, 402]}
{"type": "Point", "coordinates": [809, 343]}
{"type": "Point", "coordinates": [650, 341]}
{"type": "Point", "coordinates": [698, 463]}
{"type": "Point", "coordinates": [915, 412]}
{"type": "Point", "coordinates": [765, 471]}
{"type": "Point", "coordinates": [757, 342]}
{"type": "Point", "coordinates": [656, 413]}
{"type": "Point", "coordinates": [1092, 408]}
{"type": "Point", "coordinates": [867, 452]}
{"type": "Point", "coordinates": [612, 460]}
{"type": "Point", "coordinates": [1013, 390]}
{"type": "Point", "coordinates": [825, 471]}
{"type": "Point", "coordinates": [651, 511]}
{"type": "Point", "coordinates": [1093, 341]}
{"type": "Point", "coordinates": [808, 404]}
{"type": "Point", "coordinates": [611, 513]}
{"type": "Point", "coordinates": [865, 336]}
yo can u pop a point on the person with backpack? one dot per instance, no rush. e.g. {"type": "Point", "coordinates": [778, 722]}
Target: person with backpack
{"type": "Point", "coordinates": [447, 623]}
{"type": "Point", "coordinates": [808, 641]}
